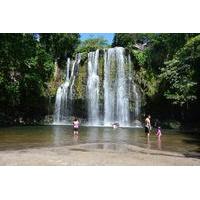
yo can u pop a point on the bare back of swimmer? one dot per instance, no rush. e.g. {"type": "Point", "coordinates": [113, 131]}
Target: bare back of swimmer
{"type": "Point", "coordinates": [148, 125]}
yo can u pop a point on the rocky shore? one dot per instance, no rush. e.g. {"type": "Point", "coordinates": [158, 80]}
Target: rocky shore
{"type": "Point", "coordinates": [104, 154]}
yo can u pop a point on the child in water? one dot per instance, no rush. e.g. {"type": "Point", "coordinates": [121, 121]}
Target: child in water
{"type": "Point", "coordinates": [115, 125]}
{"type": "Point", "coordinates": [75, 126]}
{"type": "Point", "coordinates": [158, 133]}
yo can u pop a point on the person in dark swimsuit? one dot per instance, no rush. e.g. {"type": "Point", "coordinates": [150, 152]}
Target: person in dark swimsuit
{"type": "Point", "coordinates": [75, 126]}
{"type": "Point", "coordinates": [148, 125]}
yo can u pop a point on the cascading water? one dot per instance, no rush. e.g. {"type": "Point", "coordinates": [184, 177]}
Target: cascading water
{"type": "Point", "coordinates": [61, 98]}
{"type": "Point", "coordinates": [93, 88]}
{"type": "Point", "coordinates": [122, 96]}
{"type": "Point", "coordinates": [111, 94]}
{"type": "Point", "coordinates": [75, 66]}
{"type": "Point", "coordinates": [57, 112]}
{"type": "Point", "coordinates": [72, 79]}
{"type": "Point", "coordinates": [68, 66]}
{"type": "Point", "coordinates": [116, 102]}
{"type": "Point", "coordinates": [108, 92]}
{"type": "Point", "coordinates": [61, 112]}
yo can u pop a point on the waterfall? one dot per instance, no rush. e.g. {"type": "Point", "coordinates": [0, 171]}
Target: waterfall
{"type": "Point", "coordinates": [93, 88]}
{"type": "Point", "coordinates": [108, 92]}
{"type": "Point", "coordinates": [116, 101]}
{"type": "Point", "coordinates": [72, 79]}
{"type": "Point", "coordinates": [61, 98]}
{"type": "Point", "coordinates": [57, 111]}
{"type": "Point", "coordinates": [106, 85]}
{"type": "Point", "coordinates": [67, 70]}
{"type": "Point", "coordinates": [122, 96]}
{"type": "Point", "coordinates": [62, 111]}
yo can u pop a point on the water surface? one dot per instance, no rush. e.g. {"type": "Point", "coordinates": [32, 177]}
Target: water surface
{"type": "Point", "coordinates": [12, 138]}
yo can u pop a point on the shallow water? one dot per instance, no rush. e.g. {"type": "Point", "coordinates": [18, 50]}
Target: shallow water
{"type": "Point", "coordinates": [12, 138]}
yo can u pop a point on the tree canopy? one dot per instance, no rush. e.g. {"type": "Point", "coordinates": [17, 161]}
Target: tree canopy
{"type": "Point", "coordinates": [167, 69]}
{"type": "Point", "coordinates": [182, 73]}
{"type": "Point", "coordinates": [92, 44]}
{"type": "Point", "coordinates": [26, 67]}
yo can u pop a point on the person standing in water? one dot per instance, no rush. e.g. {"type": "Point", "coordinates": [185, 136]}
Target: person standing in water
{"type": "Point", "coordinates": [75, 126]}
{"type": "Point", "coordinates": [158, 133]}
{"type": "Point", "coordinates": [148, 125]}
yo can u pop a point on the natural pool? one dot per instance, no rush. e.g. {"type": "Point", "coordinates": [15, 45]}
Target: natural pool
{"type": "Point", "coordinates": [12, 138]}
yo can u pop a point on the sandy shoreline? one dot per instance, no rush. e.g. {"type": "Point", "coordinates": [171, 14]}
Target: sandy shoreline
{"type": "Point", "coordinates": [94, 154]}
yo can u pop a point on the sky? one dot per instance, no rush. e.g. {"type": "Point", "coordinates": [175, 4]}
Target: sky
{"type": "Point", "coordinates": [107, 36]}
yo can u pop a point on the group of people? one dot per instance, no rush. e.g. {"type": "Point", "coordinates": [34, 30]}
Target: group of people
{"type": "Point", "coordinates": [148, 127]}
{"type": "Point", "coordinates": [76, 125]}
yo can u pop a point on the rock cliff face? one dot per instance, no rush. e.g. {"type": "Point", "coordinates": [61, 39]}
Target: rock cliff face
{"type": "Point", "coordinates": [100, 90]}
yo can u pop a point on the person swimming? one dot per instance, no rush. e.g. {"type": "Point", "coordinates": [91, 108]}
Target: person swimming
{"type": "Point", "coordinates": [115, 125]}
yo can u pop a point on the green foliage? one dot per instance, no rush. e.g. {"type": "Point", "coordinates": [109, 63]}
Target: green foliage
{"type": "Point", "coordinates": [80, 84]}
{"type": "Point", "coordinates": [128, 39]}
{"type": "Point", "coordinates": [13, 66]}
{"type": "Point", "coordinates": [182, 73]}
{"type": "Point", "coordinates": [26, 70]}
{"type": "Point", "coordinates": [92, 44]}
{"type": "Point", "coordinates": [148, 81]}
{"type": "Point", "coordinates": [60, 45]}
{"type": "Point", "coordinates": [140, 56]}
{"type": "Point", "coordinates": [162, 47]}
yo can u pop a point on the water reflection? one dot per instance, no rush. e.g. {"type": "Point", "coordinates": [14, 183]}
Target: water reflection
{"type": "Point", "coordinates": [62, 135]}
{"type": "Point", "coordinates": [75, 139]}
{"type": "Point", "coordinates": [57, 131]}
{"type": "Point", "coordinates": [42, 136]}
{"type": "Point", "coordinates": [159, 142]}
{"type": "Point", "coordinates": [148, 142]}
{"type": "Point", "coordinates": [107, 137]}
{"type": "Point", "coordinates": [93, 134]}
{"type": "Point", "coordinates": [122, 137]}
